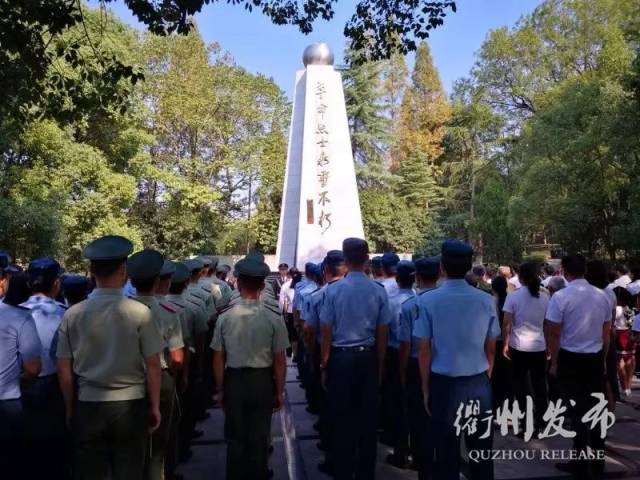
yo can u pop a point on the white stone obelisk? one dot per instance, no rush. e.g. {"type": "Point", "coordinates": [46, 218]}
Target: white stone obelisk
{"type": "Point", "coordinates": [320, 205]}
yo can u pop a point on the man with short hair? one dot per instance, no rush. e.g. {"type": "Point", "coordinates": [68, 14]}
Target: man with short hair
{"type": "Point", "coordinates": [249, 365]}
{"type": "Point", "coordinates": [108, 346]}
{"type": "Point", "coordinates": [376, 268]}
{"type": "Point", "coordinates": [145, 268]}
{"type": "Point", "coordinates": [457, 328]}
{"type": "Point", "coordinates": [354, 320]}
{"type": "Point", "coordinates": [427, 273]}
{"type": "Point", "coordinates": [389, 263]}
{"type": "Point", "coordinates": [577, 330]}
{"type": "Point", "coordinates": [42, 398]}
{"type": "Point", "coordinates": [393, 390]}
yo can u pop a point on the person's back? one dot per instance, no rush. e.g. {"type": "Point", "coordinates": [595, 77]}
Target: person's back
{"type": "Point", "coordinates": [458, 344]}
{"type": "Point", "coordinates": [581, 309]}
{"type": "Point", "coordinates": [102, 372]}
{"type": "Point", "coordinates": [528, 319]}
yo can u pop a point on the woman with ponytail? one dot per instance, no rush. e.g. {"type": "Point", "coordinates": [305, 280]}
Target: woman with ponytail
{"type": "Point", "coordinates": [523, 339]}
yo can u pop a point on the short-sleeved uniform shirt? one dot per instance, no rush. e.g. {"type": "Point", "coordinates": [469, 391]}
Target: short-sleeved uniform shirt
{"type": "Point", "coordinates": [354, 307]}
{"type": "Point", "coordinates": [457, 318]}
{"type": "Point", "coordinates": [636, 324]}
{"type": "Point", "coordinates": [305, 296]}
{"type": "Point", "coordinates": [225, 291]}
{"type": "Point", "coordinates": [389, 285]}
{"type": "Point", "coordinates": [193, 318]}
{"type": "Point", "coordinates": [108, 337]}
{"type": "Point", "coordinates": [527, 330]}
{"type": "Point", "coordinates": [264, 296]}
{"type": "Point", "coordinates": [47, 315]}
{"type": "Point", "coordinates": [408, 317]}
{"type": "Point", "coordinates": [396, 299]}
{"type": "Point", "coordinates": [19, 343]}
{"type": "Point", "coordinates": [249, 333]}
{"type": "Point", "coordinates": [168, 324]}
{"type": "Point", "coordinates": [581, 310]}
{"type": "Point", "coordinates": [195, 294]}
{"type": "Point", "coordinates": [182, 314]}
{"type": "Point", "coordinates": [296, 293]}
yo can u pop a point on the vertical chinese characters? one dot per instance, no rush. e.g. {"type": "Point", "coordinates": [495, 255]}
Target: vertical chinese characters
{"type": "Point", "coordinates": [323, 160]}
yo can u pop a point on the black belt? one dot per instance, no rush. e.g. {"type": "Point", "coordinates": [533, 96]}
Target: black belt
{"type": "Point", "coordinates": [360, 348]}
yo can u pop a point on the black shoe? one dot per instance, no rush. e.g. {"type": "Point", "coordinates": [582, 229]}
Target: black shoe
{"type": "Point", "coordinates": [196, 434]}
{"type": "Point", "coordinates": [402, 463]}
{"type": "Point", "coordinates": [270, 449]}
{"type": "Point", "coordinates": [270, 473]}
{"type": "Point", "coordinates": [325, 468]}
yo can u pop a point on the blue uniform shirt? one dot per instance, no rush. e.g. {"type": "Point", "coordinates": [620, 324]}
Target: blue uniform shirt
{"type": "Point", "coordinates": [19, 342]}
{"type": "Point", "coordinates": [354, 307]}
{"type": "Point", "coordinates": [47, 315]}
{"type": "Point", "coordinates": [296, 293]}
{"type": "Point", "coordinates": [303, 297]}
{"type": "Point", "coordinates": [457, 318]}
{"type": "Point", "coordinates": [396, 299]}
{"type": "Point", "coordinates": [408, 317]}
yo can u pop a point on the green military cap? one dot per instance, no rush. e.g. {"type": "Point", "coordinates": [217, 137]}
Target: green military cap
{"type": "Point", "coordinates": [181, 273]}
{"type": "Point", "coordinates": [168, 268]}
{"type": "Point", "coordinates": [194, 264]}
{"type": "Point", "coordinates": [255, 255]}
{"type": "Point", "coordinates": [251, 267]}
{"type": "Point", "coordinates": [205, 259]}
{"type": "Point", "coordinates": [145, 264]}
{"type": "Point", "coordinates": [109, 247]}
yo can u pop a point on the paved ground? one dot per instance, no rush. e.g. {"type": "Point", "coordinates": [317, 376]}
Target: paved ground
{"type": "Point", "coordinates": [296, 457]}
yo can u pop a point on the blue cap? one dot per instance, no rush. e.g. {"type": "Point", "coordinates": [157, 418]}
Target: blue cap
{"type": "Point", "coordinates": [334, 258]}
{"type": "Point", "coordinates": [355, 249]}
{"type": "Point", "coordinates": [145, 264]}
{"type": "Point", "coordinates": [45, 266]}
{"type": "Point", "coordinates": [109, 247]}
{"type": "Point", "coordinates": [205, 259]}
{"type": "Point", "coordinates": [316, 269]}
{"type": "Point", "coordinates": [455, 250]}
{"type": "Point", "coordinates": [390, 259]}
{"type": "Point", "coordinates": [405, 268]}
{"type": "Point", "coordinates": [75, 281]}
{"type": "Point", "coordinates": [428, 267]}
{"type": "Point", "coordinates": [14, 268]}
{"type": "Point", "coordinates": [309, 268]}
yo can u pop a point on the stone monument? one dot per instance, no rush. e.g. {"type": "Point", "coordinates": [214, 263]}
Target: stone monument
{"type": "Point", "coordinates": [320, 205]}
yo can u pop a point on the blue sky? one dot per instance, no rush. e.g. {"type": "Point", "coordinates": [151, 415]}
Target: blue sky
{"type": "Point", "coordinates": [276, 51]}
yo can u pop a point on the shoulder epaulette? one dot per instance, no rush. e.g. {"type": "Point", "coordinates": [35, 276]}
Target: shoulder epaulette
{"type": "Point", "coordinates": [177, 304]}
{"type": "Point", "coordinates": [378, 283]}
{"type": "Point", "coordinates": [192, 302]}
{"type": "Point", "coordinates": [131, 297]}
{"type": "Point", "coordinates": [408, 300]}
{"type": "Point", "coordinates": [208, 290]}
{"type": "Point", "coordinates": [317, 289]}
{"type": "Point", "coordinates": [167, 307]}
{"type": "Point", "coordinates": [62, 305]}
{"type": "Point", "coordinates": [193, 292]}
{"type": "Point", "coordinates": [426, 291]}
{"type": "Point", "coordinates": [21, 307]}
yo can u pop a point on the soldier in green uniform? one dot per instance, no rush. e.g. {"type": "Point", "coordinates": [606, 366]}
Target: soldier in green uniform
{"type": "Point", "coordinates": [224, 287]}
{"type": "Point", "coordinates": [196, 323]}
{"type": "Point", "coordinates": [144, 272]}
{"type": "Point", "coordinates": [164, 285]}
{"type": "Point", "coordinates": [111, 345]}
{"type": "Point", "coordinates": [213, 294]}
{"type": "Point", "coordinates": [249, 346]}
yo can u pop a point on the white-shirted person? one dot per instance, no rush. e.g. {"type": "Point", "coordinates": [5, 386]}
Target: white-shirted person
{"type": "Point", "coordinates": [577, 330]}
{"type": "Point", "coordinates": [523, 339]}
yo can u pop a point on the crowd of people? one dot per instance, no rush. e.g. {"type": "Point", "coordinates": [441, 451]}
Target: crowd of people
{"type": "Point", "coordinates": [106, 376]}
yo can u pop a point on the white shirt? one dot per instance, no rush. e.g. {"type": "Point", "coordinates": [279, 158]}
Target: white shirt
{"type": "Point", "coordinates": [286, 297]}
{"type": "Point", "coordinates": [581, 309]}
{"type": "Point", "coordinates": [515, 281]}
{"type": "Point", "coordinates": [527, 334]}
{"type": "Point", "coordinates": [634, 288]}
{"type": "Point", "coordinates": [623, 281]}
{"type": "Point", "coordinates": [390, 286]}
{"type": "Point", "coordinates": [620, 321]}
{"type": "Point", "coordinates": [545, 282]}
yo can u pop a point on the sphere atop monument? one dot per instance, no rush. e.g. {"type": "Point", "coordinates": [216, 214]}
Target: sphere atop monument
{"type": "Point", "coordinates": [317, 54]}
